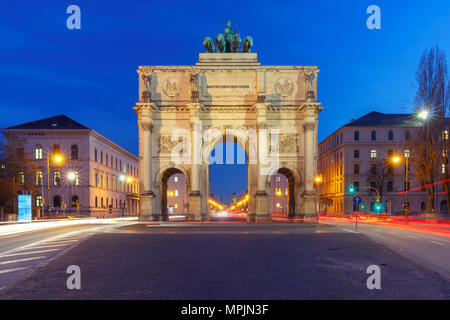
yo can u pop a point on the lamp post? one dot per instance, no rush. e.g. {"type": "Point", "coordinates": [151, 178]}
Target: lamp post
{"type": "Point", "coordinates": [57, 158]}
{"type": "Point", "coordinates": [125, 179]}
{"type": "Point", "coordinates": [396, 159]}
{"type": "Point", "coordinates": [318, 182]}
{"type": "Point", "coordinates": [71, 176]}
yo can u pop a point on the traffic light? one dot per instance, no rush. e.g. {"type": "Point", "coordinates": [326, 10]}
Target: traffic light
{"type": "Point", "coordinates": [363, 206]}
{"type": "Point", "coordinates": [378, 207]}
{"type": "Point", "coordinates": [351, 189]}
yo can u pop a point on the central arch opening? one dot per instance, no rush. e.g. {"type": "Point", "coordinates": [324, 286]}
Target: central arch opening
{"type": "Point", "coordinates": [228, 182]}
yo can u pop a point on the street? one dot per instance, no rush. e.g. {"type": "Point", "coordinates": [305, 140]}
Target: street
{"type": "Point", "coordinates": [227, 261]}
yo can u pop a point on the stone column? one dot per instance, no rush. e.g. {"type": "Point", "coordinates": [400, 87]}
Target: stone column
{"type": "Point", "coordinates": [309, 196]}
{"type": "Point", "coordinates": [145, 162]}
{"type": "Point", "coordinates": [195, 197]}
{"type": "Point", "coordinates": [261, 196]}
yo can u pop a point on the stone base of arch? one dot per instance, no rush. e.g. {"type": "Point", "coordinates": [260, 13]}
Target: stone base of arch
{"type": "Point", "coordinates": [146, 208]}
{"type": "Point", "coordinates": [262, 207]}
{"type": "Point", "coordinates": [195, 205]}
{"type": "Point", "coordinates": [309, 206]}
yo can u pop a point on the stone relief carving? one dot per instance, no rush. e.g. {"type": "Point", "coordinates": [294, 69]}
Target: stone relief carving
{"type": "Point", "coordinates": [284, 87]}
{"type": "Point", "coordinates": [146, 126]}
{"type": "Point", "coordinates": [165, 144]}
{"type": "Point", "coordinates": [171, 87]}
{"type": "Point", "coordinates": [287, 143]}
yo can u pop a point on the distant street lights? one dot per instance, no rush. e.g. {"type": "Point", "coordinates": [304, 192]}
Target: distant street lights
{"type": "Point", "coordinates": [71, 176]}
{"type": "Point", "coordinates": [125, 179]}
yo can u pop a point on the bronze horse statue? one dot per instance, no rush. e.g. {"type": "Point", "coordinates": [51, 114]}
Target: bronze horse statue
{"type": "Point", "coordinates": [247, 44]}
{"type": "Point", "coordinates": [235, 42]}
{"type": "Point", "coordinates": [220, 42]}
{"type": "Point", "coordinates": [209, 45]}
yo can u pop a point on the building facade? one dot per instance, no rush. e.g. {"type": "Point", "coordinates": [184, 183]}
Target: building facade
{"type": "Point", "coordinates": [176, 195]}
{"type": "Point", "coordinates": [78, 171]}
{"type": "Point", "coordinates": [279, 199]}
{"type": "Point", "coordinates": [358, 160]}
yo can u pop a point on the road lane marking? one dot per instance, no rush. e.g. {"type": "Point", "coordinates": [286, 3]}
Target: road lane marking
{"type": "Point", "coordinates": [438, 243]}
{"type": "Point", "coordinates": [12, 270]}
{"type": "Point", "coordinates": [29, 252]}
{"type": "Point", "coordinates": [414, 237]}
{"type": "Point", "coordinates": [349, 230]}
{"type": "Point", "coordinates": [22, 260]}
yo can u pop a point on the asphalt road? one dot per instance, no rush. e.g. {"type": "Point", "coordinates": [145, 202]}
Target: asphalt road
{"type": "Point", "coordinates": [425, 244]}
{"type": "Point", "coordinates": [20, 253]}
{"type": "Point", "coordinates": [230, 261]}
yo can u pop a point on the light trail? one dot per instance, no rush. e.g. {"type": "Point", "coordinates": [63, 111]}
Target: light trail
{"type": "Point", "coordinates": [14, 228]}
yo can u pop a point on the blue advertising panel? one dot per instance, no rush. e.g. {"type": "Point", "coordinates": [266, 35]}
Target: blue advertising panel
{"type": "Point", "coordinates": [24, 207]}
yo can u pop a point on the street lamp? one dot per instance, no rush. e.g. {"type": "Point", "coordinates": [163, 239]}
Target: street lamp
{"type": "Point", "coordinates": [71, 176]}
{"type": "Point", "coordinates": [396, 159]}
{"type": "Point", "coordinates": [423, 114]}
{"type": "Point", "coordinates": [58, 159]}
{"type": "Point", "coordinates": [128, 179]}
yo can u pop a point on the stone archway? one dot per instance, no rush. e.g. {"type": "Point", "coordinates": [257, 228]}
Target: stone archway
{"type": "Point", "coordinates": [275, 105]}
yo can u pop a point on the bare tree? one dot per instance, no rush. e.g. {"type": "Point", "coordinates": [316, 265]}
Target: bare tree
{"type": "Point", "coordinates": [430, 150]}
{"type": "Point", "coordinates": [380, 172]}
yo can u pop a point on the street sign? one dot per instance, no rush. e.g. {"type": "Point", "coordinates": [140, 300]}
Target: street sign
{"type": "Point", "coordinates": [357, 200]}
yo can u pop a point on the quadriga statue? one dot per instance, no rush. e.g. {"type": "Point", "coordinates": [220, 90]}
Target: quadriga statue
{"type": "Point", "coordinates": [247, 44]}
{"type": "Point", "coordinates": [220, 42]}
{"type": "Point", "coordinates": [208, 44]}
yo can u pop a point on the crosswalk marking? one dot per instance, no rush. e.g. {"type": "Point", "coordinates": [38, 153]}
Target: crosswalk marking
{"type": "Point", "coordinates": [12, 270]}
{"type": "Point", "coordinates": [22, 260]}
{"type": "Point", "coordinates": [24, 253]}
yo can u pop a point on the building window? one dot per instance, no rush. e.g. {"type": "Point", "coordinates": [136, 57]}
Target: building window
{"type": "Point", "coordinates": [38, 153]}
{"type": "Point", "coordinates": [106, 158]}
{"type": "Point", "coordinates": [373, 153]}
{"type": "Point", "coordinates": [390, 186]}
{"type": "Point", "coordinates": [175, 179]}
{"type": "Point", "coordinates": [355, 153]}
{"type": "Point", "coordinates": [423, 206]}
{"type": "Point", "coordinates": [38, 201]}
{"type": "Point", "coordinates": [373, 169]}
{"type": "Point", "coordinates": [56, 149]}
{"type": "Point", "coordinates": [373, 135]}
{"type": "Point", "coordinates": [176, 193]}
{"type": "Point", "coordinates": [407, 153]}
{"type": "Point", "coordinates": [56, 178]}
{"type": "Point", "coordinates": [356, 185]}
{"type": "Point", "coordinates": [356, 136]}
{"type": "Point", "coordinates": [443, 168]}
{"type": "Point", "coordinates": [101, 157]}
{"type": "Point", "coordinates": [407, 135]}
{"type": "Point", "coordinates": [76, 181]}
{"type": "Point", "coordinates": [21, 178]}
{"type": "Point", "coordinates": [74, 152]}
{"type": "Point", "coordinates": [57, 201]}
{"type": "Point", "coordinates": [101, 183]}
{"type": "Point", "coordinates": [391, 135]}
{"type": "Point", "coordinates": [96, 202]}
{"type": "Point", "coordinates": [278, 205]}
{"type": "Point", "coordinates": [20, 154]}
{"type": "Point", "coordinates": [445, 135]}
{"type": "Point", "coordinates": [39, 178]}
{"type": "Point", "coordinates": [390, 153]}
{"type": "Point", "coordinates": [176, 205]}
{"type": "Point", "coordinates": [95, 155]}
{"type": "Point", "coordinates": [278, 179]}
{"type": "Point", "coordinates": [96, 179]}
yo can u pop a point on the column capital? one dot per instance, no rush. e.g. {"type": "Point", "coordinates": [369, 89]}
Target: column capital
{"type": "Point", "coordinates": [146, 126]}
{"type": "Point", "coordinates": [309, 126]}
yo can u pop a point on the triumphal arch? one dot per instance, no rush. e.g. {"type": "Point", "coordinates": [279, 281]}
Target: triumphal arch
{"type": "Point", "coordinates": [185, 111]}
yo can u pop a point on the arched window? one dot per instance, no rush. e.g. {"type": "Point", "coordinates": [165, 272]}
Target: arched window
{"type": "Point", "coordinates": [391, 135]}
{"type": "Point", "coordinates": [96, 202]}
{"type": "Point", "coordinates": [39, 178]}
{"type": "Point", "coordinates": [74, 152]}
{"type": "Point", "coordinates": [75, 201]}
{"type": "Point", "coordinates": [373, 135]}
{"type": "Point", "coordinates": [422, 206]}
{"type": "Point", "coordinates": [57, 201]}
{"type": "Point", "coordinates": [56, 178]}
{"type": "Point", "coordinates": [443, 206]}
{"type": "Point", "coordinates": [356, 136]}
{"type": "Point", "coordinates": [407, 135]}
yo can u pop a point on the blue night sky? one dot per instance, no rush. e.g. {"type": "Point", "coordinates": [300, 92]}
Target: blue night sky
{"type": "Point", "coordinates": [89, 74]}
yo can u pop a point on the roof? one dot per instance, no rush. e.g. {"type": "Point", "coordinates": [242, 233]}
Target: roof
{"type": "Point", "coordinates": [378, 119]}
{"type": "Point", "coordinates": [61, 122]}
